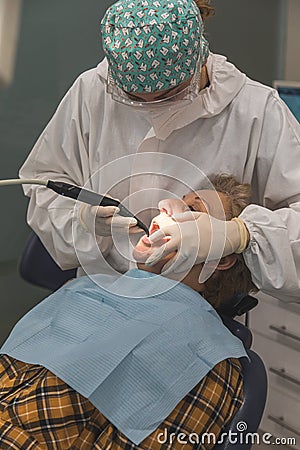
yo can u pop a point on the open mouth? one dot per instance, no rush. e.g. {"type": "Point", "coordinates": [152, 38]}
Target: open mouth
{"type": "Point", "coordinates": [153, 227]}
{"type": "Point", "coordinates": [144, 249]}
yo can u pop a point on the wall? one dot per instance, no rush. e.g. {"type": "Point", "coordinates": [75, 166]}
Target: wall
{"type": "Point", "coordinates": [292, 63]}
{"type": "Point", "coordinates": [10, 11]}
{"type": "Point", "coordinates": [251, 34]}
{"type": "Point", "coordinates": [60, 39]}
{"type": "Point", "coordinates": [57, 41]}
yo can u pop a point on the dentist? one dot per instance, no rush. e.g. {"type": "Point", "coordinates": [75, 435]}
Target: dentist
{"type": "Point", "coordinates": [159, 93]}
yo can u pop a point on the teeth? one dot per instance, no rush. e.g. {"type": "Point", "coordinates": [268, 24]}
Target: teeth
{"type": "Point", "coordinates": [153, 227]}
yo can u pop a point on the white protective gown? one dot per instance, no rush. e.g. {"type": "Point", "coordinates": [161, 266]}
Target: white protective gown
{"type": "Point", "coordinates": [236, 125]}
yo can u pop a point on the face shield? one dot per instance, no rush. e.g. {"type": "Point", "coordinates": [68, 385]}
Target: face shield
{"type": "Point", "coordinates": [174, 97]}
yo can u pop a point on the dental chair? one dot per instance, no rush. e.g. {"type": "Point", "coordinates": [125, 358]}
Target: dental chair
{"type": "Point", "coordinates": [37, 267]}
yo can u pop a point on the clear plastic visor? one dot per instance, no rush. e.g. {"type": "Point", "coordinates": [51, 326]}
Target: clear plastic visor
{"type": "Point", "coordinates": [173, 96]}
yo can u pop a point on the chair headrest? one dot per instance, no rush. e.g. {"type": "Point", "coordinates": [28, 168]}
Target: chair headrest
{"type": "Point", "coordinates": [238, 305]}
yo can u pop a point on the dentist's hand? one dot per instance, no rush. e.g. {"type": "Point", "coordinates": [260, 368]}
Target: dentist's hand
{"type": "Point", "coordinates": [101, 220]}
{"type": "Point", "coordinates": [197, 237]}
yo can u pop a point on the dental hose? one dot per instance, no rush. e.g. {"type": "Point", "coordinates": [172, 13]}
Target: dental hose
{"type": "Point", "coordinates": [78, 193]}
{"type": "Point", "coordinates": [21, 181]}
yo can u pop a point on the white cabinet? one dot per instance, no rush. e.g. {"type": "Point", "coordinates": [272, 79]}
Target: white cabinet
{"type": "Point", "coordinates": [276, 338]}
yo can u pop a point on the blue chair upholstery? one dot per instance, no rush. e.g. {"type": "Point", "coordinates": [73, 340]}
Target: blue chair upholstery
{"type": "Point", "coordinates": [37, 267]}
{"type": "Point", "coordinates": [239, 330]}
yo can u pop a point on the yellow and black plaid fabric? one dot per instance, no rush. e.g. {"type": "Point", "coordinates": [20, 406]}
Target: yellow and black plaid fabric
{"type": "Point", "coordinates": [38, 411]}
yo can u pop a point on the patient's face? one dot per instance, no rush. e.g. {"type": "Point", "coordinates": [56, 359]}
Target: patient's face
{"type": "Point", "coordinates": [211, 202]}
{"type": "Point", "coordinates": [215, 203]}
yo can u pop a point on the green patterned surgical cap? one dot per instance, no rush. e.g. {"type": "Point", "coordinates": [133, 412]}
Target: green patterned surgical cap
{"type": "Point", "coordinates": [153, 45]}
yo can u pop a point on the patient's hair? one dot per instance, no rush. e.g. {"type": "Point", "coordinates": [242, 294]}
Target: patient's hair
{"type": "Point", "coordinates": [205, 9]}
{"type": "Point", "coordinates": [222, 286]}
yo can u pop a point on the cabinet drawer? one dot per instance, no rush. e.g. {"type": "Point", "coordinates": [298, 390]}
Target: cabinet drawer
{"type": "Point", "coordinates": [274, 319]}
{"type": "Point", "coordinates": [282, 364]}
{"type": "Point", "coordinates": [282, 417]}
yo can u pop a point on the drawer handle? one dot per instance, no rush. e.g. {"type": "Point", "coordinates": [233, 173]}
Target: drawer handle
{"type": "Point", "coordinates": [282, 330]}
{"type": "Point", "coordinates": [280, 421]}
{"type": "Point", "coordinates": [282, 373]}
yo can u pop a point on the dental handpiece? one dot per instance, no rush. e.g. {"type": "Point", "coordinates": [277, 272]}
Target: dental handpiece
{"type": "Point", "coordinates": [92, 198]}
{"type": "Point", "coordinates": [78, 193]}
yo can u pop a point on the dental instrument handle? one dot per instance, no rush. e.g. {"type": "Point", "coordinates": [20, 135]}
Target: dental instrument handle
{"type": "Point", "coordinates": [92, 198]}
{"type": "Point", "coordinates": [78, 193]}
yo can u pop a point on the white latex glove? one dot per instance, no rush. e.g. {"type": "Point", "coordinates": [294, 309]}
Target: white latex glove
{"type": "Point", "coordinates": [102, 219]}
{"type": "Point", "coordinates": [197, 237]}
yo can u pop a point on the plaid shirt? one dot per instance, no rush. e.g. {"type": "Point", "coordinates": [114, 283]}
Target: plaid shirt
{"type": "Point", "coordinates": [38, 411]}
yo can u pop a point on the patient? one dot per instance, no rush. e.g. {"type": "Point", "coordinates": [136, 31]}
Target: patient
{"type": "Point", "coordinates": [159, 364]}
{"type": "Point", "coordinates": [231, 276]}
